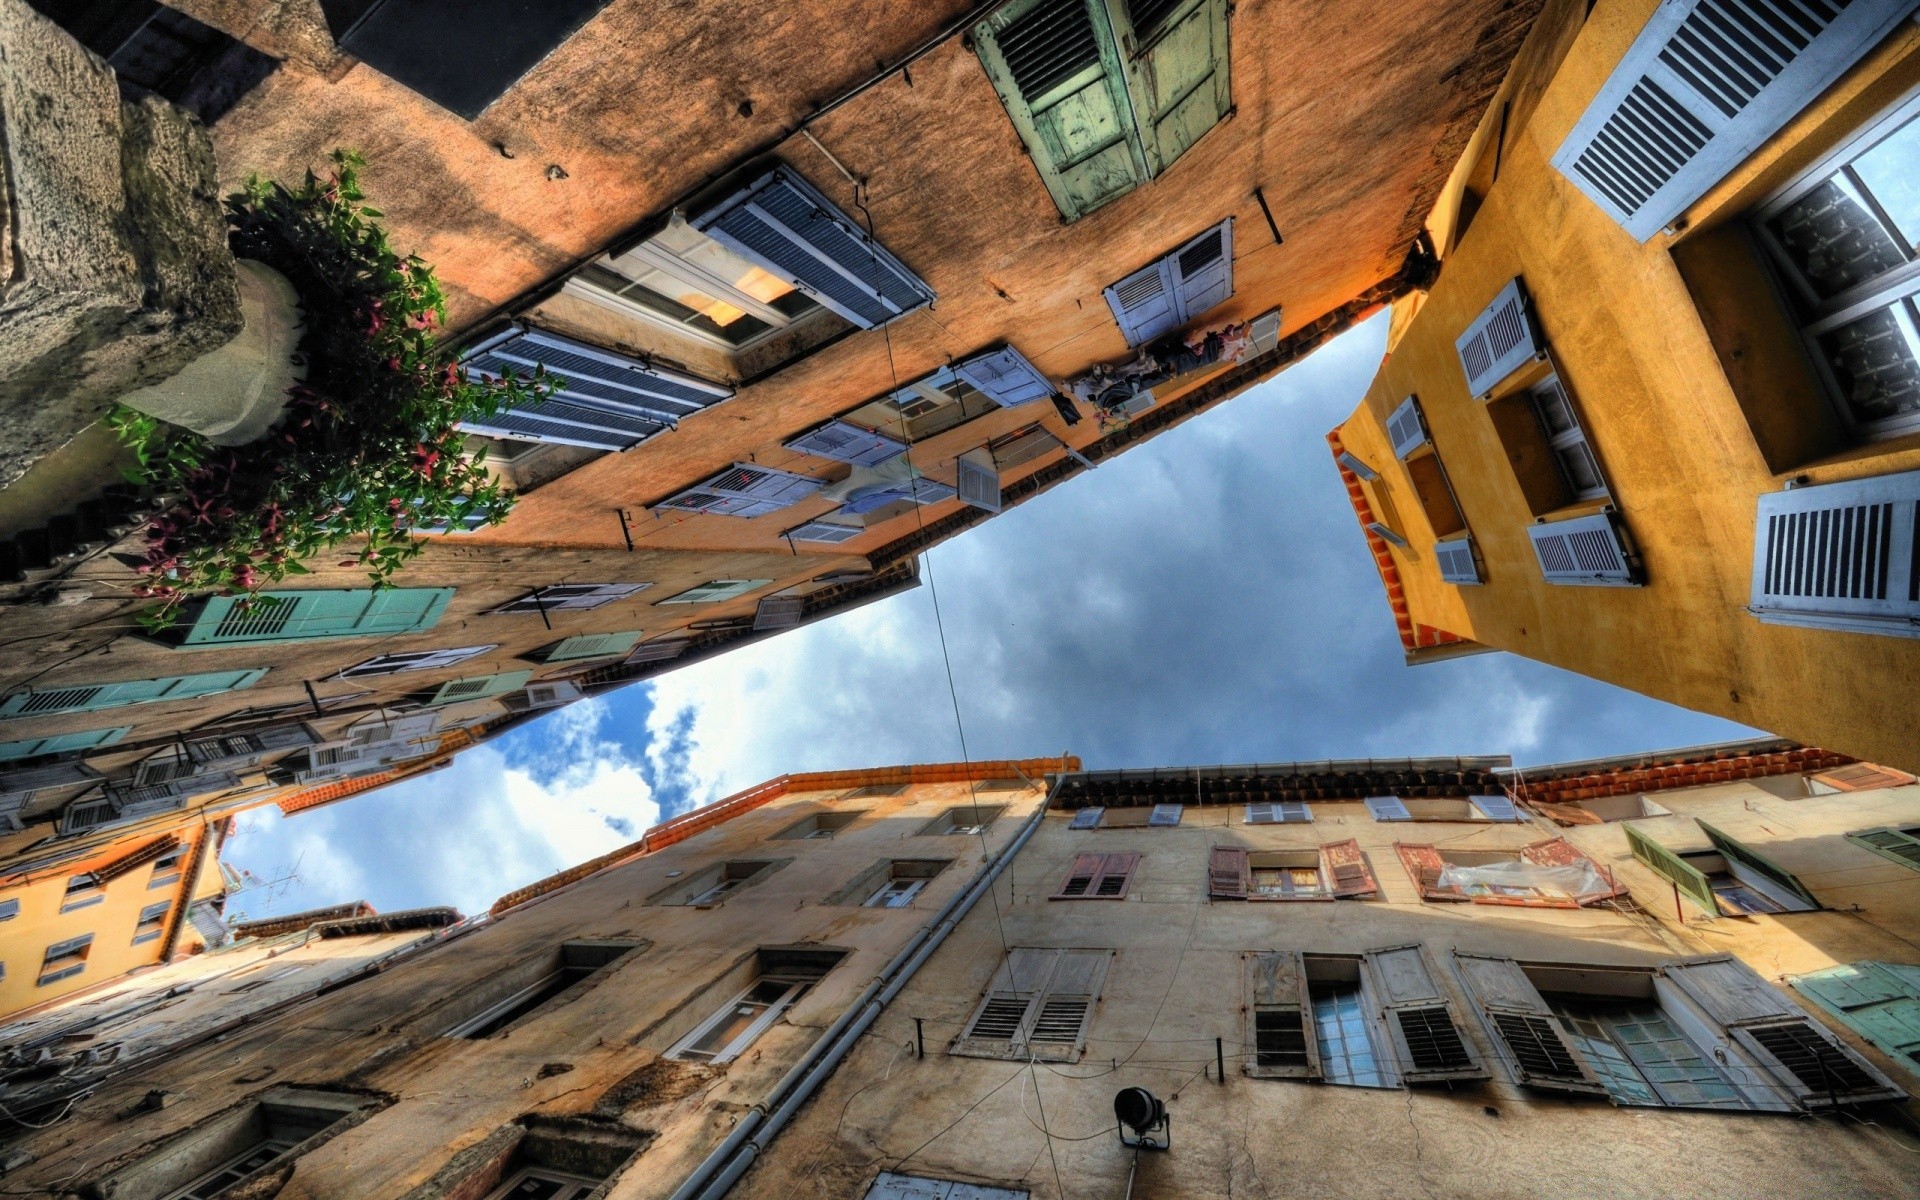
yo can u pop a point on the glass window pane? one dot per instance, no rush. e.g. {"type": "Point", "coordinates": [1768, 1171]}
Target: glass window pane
{"type": "Point", "coordinates": [1583, 474]}
{"type": "Point", "coordinates": [1834, 239]}
{"type": "Point", "coordinates": [1340, 1027]}
{"type": "Point", "coordinates": [1891, 171]}
{"type": "Point", "coordinates": [1873, 360]}
{"type": "Point", "coordinates": [1609, 1062]}
{"type": "Point", "coordinates": [1550, 400]}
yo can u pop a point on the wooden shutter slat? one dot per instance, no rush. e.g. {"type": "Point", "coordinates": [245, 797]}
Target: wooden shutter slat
{"type": "Point", "coordinates": [1740, 852]}
{"type": "Point", "coordinates": [1584, 551]}
{"type": "Point", "coordinates": [1407, 428]}
{"type": "Point", "coordinates": [1116, 876]}
{"type": "Point", "coordinates": [1565, 814]}
{"type": "Point", "coordinates": [977, 479]}
{"type": "Point", "coordinates": [1278, 1003]}
{"type": "Point", "coordinates": [1079, 880]}
{"type": "Point", "coordinates": [1227, 873]}
{"type": "Point", "coordinates": [1424, 864]}
{"type": "Point", "coordinates": [1387, 808]}
{"type": "Point", "coordinates": [1178, 76]}
{"type": "Point", "coordinates": [1679, 871]}
{"type": "Point", "coordinates": [1862, 777]}
{"type": "Point", "coordinates": [1344, 866]}
{"type": "Point", "coordinates": [1537, 1049]}
{"type": "Point", "coordinates": [848, 443]}
{"type": "Point", "coordinates": [1499, 341]}
{"type": "Point", "coordinates": [1428, 1043]}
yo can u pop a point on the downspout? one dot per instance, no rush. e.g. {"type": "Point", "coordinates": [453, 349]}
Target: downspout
{"type": "Point", "coordinates": [720, 1170]}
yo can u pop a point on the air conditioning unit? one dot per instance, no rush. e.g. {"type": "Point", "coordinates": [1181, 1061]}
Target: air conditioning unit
{"type": "Point", "coordinates": [542, 695]}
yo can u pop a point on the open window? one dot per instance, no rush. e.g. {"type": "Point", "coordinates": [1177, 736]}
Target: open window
{"type": "Point", "coordinates": [1313, 1016]}
{"type": "Point", "coordinates": [1598, 810]}
{"type": "Point", "coordinates": [1549, 874]}
{"type": "Point", "coordinates": [717, 591]}
{"type": "Point", "coordinates": [820, 826]}
{"type": "Point", "coordinates": [704, 889]}
{"type": "Point", "coordinates": [414, 660]}
{"type": "Point", "coordinates": [1901, 843]}
{"type": "Point", "coordinates": [152, 922]}
{"type": "Point", "coordinates": [1730, 879]}
{"type": "Point", "coordinates": [1279, 812]}
{"type": "Point", "coordinates": [782, 978]}
{"type": "Point", "coordinates": [64, 959]}
{"type": "Point", "coordinates": [743, 490]}
{"type": "Point", "coordinates": [568, 597]}
{"type": "Point", "coordinates": [1039, 1005]}
{"type": "Point", "coordinates": [1445, 808]}
{"type": "Point", "coordinates": [275, 617]}
{"type": "Point", "coordinates": [539, 1157]}
{"type": "Point", "coordinates": [251, 1141]}
{"type": "Point", "coordinates": [890, 883]}
{"type": "Point", "coordinates": [535, 986]}
{"type": "Point", "coordinates": [1152, 816]}
{"type": "Point", "coordinates": [1337, 870]}
{"type": "Point", "coordinates": [1107, 94]}
{"type": "Point", "coordinates": [969, 820]}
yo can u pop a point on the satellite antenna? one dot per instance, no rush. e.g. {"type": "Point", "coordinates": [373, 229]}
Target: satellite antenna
{"type": "Point", "coordinates": [1141, 1111]}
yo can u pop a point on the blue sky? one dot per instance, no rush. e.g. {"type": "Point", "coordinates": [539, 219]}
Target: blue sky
{"type": "Point", "coordinates": [1206, 597]}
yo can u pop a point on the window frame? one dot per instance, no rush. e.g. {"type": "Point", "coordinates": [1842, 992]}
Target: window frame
{"type": "Point", "coordinates": [588, 596]}
{"type": "Point", "coordinates": [578, 1187]}
{"type": "Point", "coordinates": [797, 985]}
{"type": "Point", "coordinates": [399, 662]}
{"type": "Point", "coordinates": [70, 959]}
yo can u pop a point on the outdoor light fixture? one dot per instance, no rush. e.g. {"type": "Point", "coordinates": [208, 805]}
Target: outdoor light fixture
{"type": "Point", "coordinates": [1141, 1111]}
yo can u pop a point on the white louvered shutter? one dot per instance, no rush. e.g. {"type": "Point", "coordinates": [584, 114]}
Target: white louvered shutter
{"type": "Point", "coordinates": [1388, 808]}
{"type": "Point", "coordinates": [848, 443]}
{"type": "Point", "coordinates": [978, 480]}
{"type": "Point", "coordinates": [660, 651]}
{"type": "Point", "coordinates": [1166, 814]}
{"type": "Point", "coordinates": [1496, 808]}
{"type": "Point", "coordinates": [744, 490]}
{"type": "Point", "coordinates": [828, 532]}
{"type": "Point", "coordinates": [779, 612]}
{"type": "Point", "coordinates": [1840, 556]}
{"type": "Point", "coordinates": [1145, 303]}
{"type": "Point", "coordinates": [1406, 428]}
{"type": "Point", "coordinates": [1005, 377]}
{"type": "Point", "coordinates": [1456, 561]}
{"type": "Point", "coordinates": [1203, 270]}
{"type": "Point", "coordinates": [1537, 1051]}
{"type": "Point", "coordinates": [1583, 551]}
{"type": "Point", "coordinates": [1087, 818]}
{"type": "Point", "coordinates": [785, 225]}
{"type": "Point", "coordinates": [1294, 811]}
{"type": "Point", "coordinates": [1500, 341]}
{"type": "Point", "coordinates": [1705, 83]}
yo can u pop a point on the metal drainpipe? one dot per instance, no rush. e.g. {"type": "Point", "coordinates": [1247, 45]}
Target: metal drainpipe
{"type": "Point", "coordinates": [720, 1170]}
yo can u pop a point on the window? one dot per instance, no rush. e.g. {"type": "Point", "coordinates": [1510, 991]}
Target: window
{"type": "Point", "coordinates": [971, 820]}
{"type": "Point", "coordinates": [551, 978]}
{"type": "Point", "coordinates": [716, 591]}
{"type": "Point", "coordinates": [1107, 94]}
{"type": "Point", "coordinates": [82, 891]}
{"type": "Point", "coordinates": [62, 743]}
{"type": "Point", "coordinates": [892, 1186]}
{"type": "Point", "coordinates": [703, 889]}
{"type": "Point", "coordinates": [241, 1144]}
{"type": "Point", "coordinates": [65, 959]}
{"type": "Point", "coordinates": [1164, 295]}
{"type": "Point", "coordinates": [1098, 877]}
{"type": "Point", "coordinates": [414, 660]}
{"type": "Point", "coordinates": [1308, 1018]}
{"type": "Point", "coordinates": [166, 868]}
{"type": "Point", "coordinates": [1840, 556]}
{"type": "Point", "coordinates": [818, 826]}
{"type": "Point", "coordinates": [1599, 810]}
{"type": "Point", "coordinates": [1163, 816]}
{"type": "Point", "coordinates": [9, 908]}
{"type": "Point", "coordinates": [153, 922]}
{"type": "Point", "coordinates": [1334, 871]}
{"type": "Point", "coordinates": [1471, 808]}
{"type": "Point", "coordinates": [874, 791]}
{"type": "Point", "coordinates": [569, 597]}
{"type": "Point", "coordinates": [1039, 1004]}
{"type": "Point", "coordinates": [478, 687]}
{"type": "Point", "coordinates": [88, 697]}
{"type": "Point", "coordinates": [1589, 551]}
{"type": "Point", "coordinates": [537, 1183]}
{"type": "Point", "coordinates": [882, 428]}
{"type": "Point", "coordinates": [1901, 843]}
{"type": "Point", "coordinates": [1880, 1001]}
{"type": "Point", "coordinates": [588, 645]}
{"type": "Point", "coordinates": [1684, 106]}
{"type": "Point", "coordinates": [732, 1028]}
{"type": "Point", "coordinates": [1731, 879]}
{"type": "Point", "coordinates": [273, 617]}
{"type": "Point", "coordinates": [1549, 874]}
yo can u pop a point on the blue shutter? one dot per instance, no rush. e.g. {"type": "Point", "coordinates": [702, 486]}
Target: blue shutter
{"type": "Point", "coordinates": [786, 226]}
{"type": "Point", "coordinates": [779, 612]}
{"type": "Point", "coordinates": [1584, 550]}
{"type": "Point", "coordinates": [1406, 429]}
{"type": "Point", "coordinates": [299, 616]}
{"type": "Point", "coordinates": [744, 490]}
{"type": "Point", "coordinates": [1705, 83]}
{"type": "Point", "coordinates": [1145, 304]}
{"type": "Point", "coordinates": [829, 532]}
{"type": "Point", "coordinates": [62, 743]}
{"type": "Point", "coordinates": [1165, 295]}
{"type": "Point", "coordinates": [1388, 808]}
{"type": "Point", "coordinates": [1087, 818]}
{"type": "Point", "coordinates": [1840, 556]}
{"type": "Point", "coordinates": [1005, 377]}
{"type": "Point", "coordinates": [601, 399]}
{"type": "Point", "coordinates": [1203, 270]}
{"type": "Point", "coordinates": [1456, 560]}
{"type": "Point", "coordinates": [1360, 469]}
{"type": "Point", "coordinates": [1166, 814]}
{"type": "Point", "coordinates": [89, 697]}
{"type": "Point", "coordinates": [977, 479]}
{"type": "Point", "coordinates": [1496, 808]}
{"type": "Point", "coordinates": [1500, 341]}
{"type": "Point", "coordinates": [849, 444]}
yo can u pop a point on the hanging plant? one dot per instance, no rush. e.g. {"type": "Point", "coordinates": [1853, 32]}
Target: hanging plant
{"type": "Point", "coordinates": [367, 450]}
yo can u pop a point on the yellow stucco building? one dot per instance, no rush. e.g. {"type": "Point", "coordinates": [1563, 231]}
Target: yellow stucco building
{"type": "Point", "coordinates": [1656, 420]}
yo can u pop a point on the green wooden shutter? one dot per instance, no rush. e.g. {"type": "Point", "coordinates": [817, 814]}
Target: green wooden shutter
{"type": "Point", "coordinates": [1879, 1001]}
{"type": "Point", "coordinates": [1679, 870]}
{"type": "Point", "coordinates": [479, 687]}
{"type": "Point", "coordinates": [1758, 862]}
{"type": "Point", "coordinates": [88, 697]}
{"type": "Point", "coordinates": [715, 590]}
{"type": "Point", "coordinates": [592, 645]}
{"type": "Point", "coordinates": [298, 616]}
{"type": "Point", "coordinates": [1059, 73]}
{"type": "Point", "coordinates": [1895, 844]}
{"type": "Point", "coordinates": [61, 743]}
{"type": "Point", "coordinates": [1176, 72]}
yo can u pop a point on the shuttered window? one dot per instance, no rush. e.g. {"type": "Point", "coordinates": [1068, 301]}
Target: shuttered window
{"type": "Point", "coordinates": [1676, 870]}
{"type": "Point", "coordinates": [62, 743]}
{"type": "Point", "coordinates": [1748, 881]}
{"type": "Point", "coordinates": [414, 660]}
{"type": "Point", "coordinates": [65, 959]}
{"type": "Point", "coordinates": [593, 397]}
{"type": "Point", "coordinates": [89, 697]}
{"type": "Point", "coordinates": [1387, 808]}
{"type": "Point", "coordinates": [569, 597]}
{"type": "Point", "coordinates": [743, 490]}
{"type": "Point", "coordinates": [1406, 428]}
{"type": "Point", "coordinates": [784, 224]}
{"type": "Point", "coordinates": [1427, 1043]}
{"type": "Point", "coordinates": [1456, 561]}
{"type": "Point", "coordinates": [1164, 295]}
{"type": "Point", "coordinates": [1500, 341]}
{"type": "Point", "coordinates": [1902, 845]}
{"type": "Point", "coordinates": [1758, 863]}
{"type": "Point", "coordinates": [1098, 877]}
{"type": "Point", "coordinates": [1004, 376]}
{"type": "Point", "coordinates": [1087, 818]}
{"type": "Point", "coordinates": [847, 443]}
{"type": "Point", "coordinates": [977, 479]}
{"type": "Point", "coordinates": [1278, 812]}
{"type": "Point", "coordinates": [779, 612]}
{"type": "Point", "coordinates": [1280, 1016]}
{"type": "Point", "coordinates": [1861, 777]}
{"type": "Point", "coordinates": [715, 590]}
{"type": "Point", "coordinates": [479, 687]}
{"type": "Point", "coordinates": [272, 617]}
{"type": "Point", "coordinates": [1880, 1001]}
{"type": "Point", "coordinates": [1807, 1064]}
{"type": "Point", "coordinates": [592, 645]}
{"type": "Point", "coordinates": [1584, 551]}
{"type": "Point", "coordinates": [1523, 1027]}
{"type": "Point", "coordinates": [1039, 1004]}
{"type": "Point", "coordinates": [1840, 556]}
{"type": "Point", "coordinates": [1703, 85]}
{"type": "Point", "coordinates": [1107, 94]}
{"type": "Point", "coordinates": [1345, 870]}
{"type": "Point", "coordinates": [827, 532]}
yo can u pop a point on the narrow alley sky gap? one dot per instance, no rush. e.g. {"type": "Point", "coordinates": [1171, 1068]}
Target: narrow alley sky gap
{"type": "Point", "coordinates": [1204, 598]}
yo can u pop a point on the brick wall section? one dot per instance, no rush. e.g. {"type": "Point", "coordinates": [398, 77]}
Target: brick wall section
{"type": "Point", "coordinates": [1692, 772]}
{"type": "Point", "coordinates": [684, 826]}
{"type": "Point", "coordinates": [1413, 636]}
